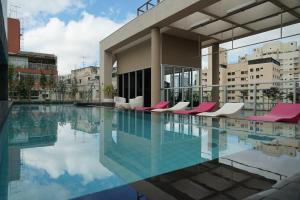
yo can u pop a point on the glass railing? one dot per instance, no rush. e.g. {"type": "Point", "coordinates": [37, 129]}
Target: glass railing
{"type": "Point", "coordinates": [257, 96]}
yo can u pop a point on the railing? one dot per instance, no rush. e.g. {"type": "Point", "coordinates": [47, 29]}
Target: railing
{"type": "Point", "coordinates": [145, 7]}
{"type": "Point", "coordinates": [255, 168]}
{"type": "Point", "coordinates": [257, 96]}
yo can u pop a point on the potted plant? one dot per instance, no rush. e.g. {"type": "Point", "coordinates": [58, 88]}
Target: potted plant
{"type": "Point", "coordinates": [109, 93]}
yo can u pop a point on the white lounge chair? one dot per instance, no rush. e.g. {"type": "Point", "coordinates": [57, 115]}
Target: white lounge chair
{"type": "Point", "coordinates": [133, 103]}
{"type": "Point", "coordinates": [118, 101]}
{"type": "Point", "coordinates": [178, 106]}
{"type": "Point", "coordinates": [228, 110]}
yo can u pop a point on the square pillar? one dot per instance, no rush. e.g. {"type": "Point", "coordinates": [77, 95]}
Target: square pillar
{"type": "Point", "coordinates": [155, 65]}
{"type": "Point", "coordinates": [107, 61]}
{"type": "Point", "coordinates": [215, 93]}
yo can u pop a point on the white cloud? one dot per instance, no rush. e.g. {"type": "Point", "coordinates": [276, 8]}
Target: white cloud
{"type": "Point", "coordinates": [71, 41]}
{"type": "Point", "coordinates": [76, 158]}
{"type": "Point", "coordinates": [35, 7]}
{"type": "Point", "coordinates": [35, 12]}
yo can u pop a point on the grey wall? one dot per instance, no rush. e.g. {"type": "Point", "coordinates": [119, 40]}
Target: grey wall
{"type": "Point", "coordinates": [3, 53]}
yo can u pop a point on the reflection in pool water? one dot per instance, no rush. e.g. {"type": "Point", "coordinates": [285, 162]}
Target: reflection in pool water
{"type": "Point", "coordinates": [66, 152]}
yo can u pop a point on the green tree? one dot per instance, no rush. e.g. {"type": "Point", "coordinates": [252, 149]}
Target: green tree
{"type": "Point", "coordinates": [43, 82]}
{"type": "Point", "coordinates": [29, 83]}
{"type": "Point", "coordinates": [12, 83]}
{"type": "Point", "coordinates": [74, 89]}
{"type": "Point", "coordinates": [21, 88]}
{"type": "Point", "coordinates": [52, 84]}
{"type": "Point", "coordinates": [61, 89]}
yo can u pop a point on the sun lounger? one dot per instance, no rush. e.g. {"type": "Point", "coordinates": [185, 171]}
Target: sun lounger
{"type": "Point", "coordinates": [118, 101]}
{"type": "Point", "coordinates": [228, 110]}
{"type": "Point", "coordinates": [161, 105]}
{"type": "Point", "coordinates": [282, 112]}
{"type": "Point", "coordinates": [178, 106]}
{"type": "Point", "coordinates": [203, 107]}
{"type": "Point", "coordinates": [133, 103]}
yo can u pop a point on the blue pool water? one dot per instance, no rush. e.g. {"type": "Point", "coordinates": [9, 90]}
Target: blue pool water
{"type": "Point", "coordinates": [67, 152]}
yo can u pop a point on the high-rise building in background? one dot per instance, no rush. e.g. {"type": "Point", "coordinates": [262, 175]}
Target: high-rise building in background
{"type": "Point", "coordinates": [287, 54]}
{"type": "Point", "coordinates": [272, 62]}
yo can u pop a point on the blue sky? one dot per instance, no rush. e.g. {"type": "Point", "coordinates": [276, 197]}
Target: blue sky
{"type": "Point", "coordinates": [117, 10]}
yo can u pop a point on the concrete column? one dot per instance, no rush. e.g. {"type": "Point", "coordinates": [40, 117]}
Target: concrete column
{"type": "Point", "coordinates": [107, 60]}
{"type": "Point", "coordinates": [215, 94]}
{"type": "Point", "coordinates": [155, 65]}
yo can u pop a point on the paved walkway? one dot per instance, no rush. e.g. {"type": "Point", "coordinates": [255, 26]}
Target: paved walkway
{"type": "Point", "coordinates": [288, 189]}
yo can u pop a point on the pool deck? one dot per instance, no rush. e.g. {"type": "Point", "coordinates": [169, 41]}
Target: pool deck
{"type": "Point", "coordinates": [286, 189]}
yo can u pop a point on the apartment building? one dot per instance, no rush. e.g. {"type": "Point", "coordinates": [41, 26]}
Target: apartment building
{"type": "Point", "coordinates": [35, 65]}
{"type": "Point", "coordinates": [241, 77]}
{"type": "Point", "coordinates": [31, 64]}
{"type": "Point", "coordinates": [88, 83]}
{"type": "Point", "coordinates": [287, 54]}
{"type": "Point", "coordinates": [3, 51]}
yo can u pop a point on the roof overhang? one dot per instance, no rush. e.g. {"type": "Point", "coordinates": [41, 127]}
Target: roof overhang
{"type": "Point", "coordinates": [210, 21]}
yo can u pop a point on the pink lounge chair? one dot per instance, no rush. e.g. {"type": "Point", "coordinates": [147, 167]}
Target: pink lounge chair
{"type": "Point", "coordinates": [203, 107]}
{"type": "Point", "coordinates": [161, 105]}
{"type": "Point", "coordinates": [282, 112]}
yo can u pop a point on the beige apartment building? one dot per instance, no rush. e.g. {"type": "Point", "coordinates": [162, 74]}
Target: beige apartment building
{"type": "Point", "coordinates": [173, 33]}
{"type": "Point", "coordinates": [287, 54]}
{"type": "Point", "coordinates": [241, 77]}
{"type": "Point", "coordinates": [88, 82]}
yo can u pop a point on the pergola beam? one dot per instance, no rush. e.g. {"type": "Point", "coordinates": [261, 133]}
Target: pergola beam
{"type": "Point", "coordinates": [285, 8]}
{"type": "Point", "coordinates": [253, 21]}
{"type": "Point", "coordinates": [224, 18]}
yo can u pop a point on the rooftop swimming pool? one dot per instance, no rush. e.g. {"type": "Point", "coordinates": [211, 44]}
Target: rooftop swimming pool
{"type": "Point", "coordinates": [64, 152]}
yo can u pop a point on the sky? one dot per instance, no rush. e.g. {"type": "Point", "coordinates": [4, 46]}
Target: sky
{"type": "Point", "coordinates": [72, 29]}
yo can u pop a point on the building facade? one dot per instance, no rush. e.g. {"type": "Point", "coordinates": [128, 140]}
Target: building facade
{"type": "Point", "coordinates": [30, 64]}
{"type": "Point", "coordinates": [287, 54]}
{"type": "Point", "coordinates": [88, 83]}
{"type": "Point", "coordinates": [35, 65]}
{"type": "Point", "coordinates": [240, 78]}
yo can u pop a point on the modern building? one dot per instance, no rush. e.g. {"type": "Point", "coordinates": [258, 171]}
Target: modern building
{"type": "Point", "coordinates": [29, 63]}
{"type": "Point", "coordinates": [173, 33]}
{"type": "Point", "coordinates": [3, 51]}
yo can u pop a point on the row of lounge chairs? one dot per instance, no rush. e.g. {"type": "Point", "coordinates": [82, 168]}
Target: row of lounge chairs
{"type": "Point", "coordinates": [282, 112]}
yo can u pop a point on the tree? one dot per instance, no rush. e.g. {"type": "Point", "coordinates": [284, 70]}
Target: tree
{"type": "Point", "coordinates": [51, 84]}
{"type": "Point", "coordinates": [273, 93]}
{"type": "Point", "coordinates": [244, 94]}
{"type": "Point", "coordinates": [43, 82]}
{"type": "Point", "coordinates": [74, 89]}
{"type": "Point", "coordinates": [29, 83]}
{"type": "Point", "coordinates": [61, 89]}
{"type": "Point", "coordinates": [12, 83]}
{"type": "Point", "coordinates": [21, 88]}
